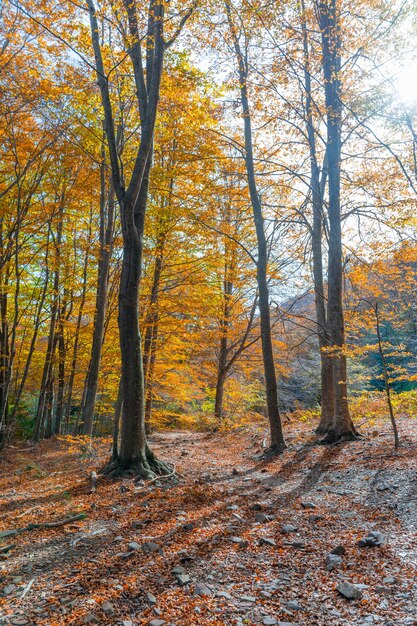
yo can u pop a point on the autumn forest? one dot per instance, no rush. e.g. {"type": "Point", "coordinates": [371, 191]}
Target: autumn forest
{"type": "Point", "coordinates": [208, 273]}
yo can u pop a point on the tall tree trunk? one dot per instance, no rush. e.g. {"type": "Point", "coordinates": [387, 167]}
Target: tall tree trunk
{"type": "Point", "coordinates": [134, 454]}
{"type": "Point", "coordinates": [277, 441]}
{"type": "Point", "coordinates": [116, 426]}
{"type": "Point", "coordinates": [106, 245]}
{"type": "Point", "coordinates": [59, 412]}
{"type": "Point", "coordinates": [223, 347]}
{"type": "Point", "coordinates": [317, 190]}
{"type": "Point", "coordinates": [329, 19]}
{"type": "Point", "coordinates": [44, 401]}
{"type": "Point", "coordinates": [36, 326]}
{"type": "Point", "coordinates": [151, 331]}
{"type": "Point", "coordinates": [74, 359]}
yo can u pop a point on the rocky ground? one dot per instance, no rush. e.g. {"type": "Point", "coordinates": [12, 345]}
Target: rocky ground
{"type": "Point", "coordinates": [239, 540]}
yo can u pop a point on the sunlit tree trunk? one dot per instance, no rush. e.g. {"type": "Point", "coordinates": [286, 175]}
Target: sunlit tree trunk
{"type": "Point", "coordinates": [329, 21]}
{"type": "Point", "coordinates": [277, 441]}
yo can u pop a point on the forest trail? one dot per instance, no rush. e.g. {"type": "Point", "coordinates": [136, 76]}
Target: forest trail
{"type": "Point", "coordinates": [239, 541]}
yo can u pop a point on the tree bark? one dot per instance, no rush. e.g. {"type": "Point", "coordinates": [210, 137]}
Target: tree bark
{"type": "Point", "coordinates": [317, 191]}
{"type": "Point", "coordinates": [277, 442]}
{"type": "Point", "coordinates": [329, 20]}
{"type": "Point", "coordinates": [106, 246]}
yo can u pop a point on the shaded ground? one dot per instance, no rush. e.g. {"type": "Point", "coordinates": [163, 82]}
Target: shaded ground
{"type": "Point", "coordinates": [85, 572]}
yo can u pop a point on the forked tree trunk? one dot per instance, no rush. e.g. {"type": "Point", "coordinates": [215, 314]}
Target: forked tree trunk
{"type": "Point", "coordinates": [329, 20]}
{"type": "Point", "coordinates": [317, 191]}
{"type": "Point", "coordinates": [134, 454]}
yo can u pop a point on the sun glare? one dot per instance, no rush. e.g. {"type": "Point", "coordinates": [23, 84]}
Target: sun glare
{"type": "Point", "coordinates": [406, 84]}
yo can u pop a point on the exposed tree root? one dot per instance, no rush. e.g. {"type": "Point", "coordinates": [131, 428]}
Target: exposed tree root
{"type": "Point", "coordinates": [338, 436]}
{"type": "Point", "coordinates": [273, 451]}
{"type": "Point", "coordinates": [146, 466]}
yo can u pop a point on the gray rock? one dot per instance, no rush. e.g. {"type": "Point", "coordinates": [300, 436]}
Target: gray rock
{"type": "Point", "coordinates": [256, 506]}
{"type": "Point", "coordinates": [288, 528]}
{"type": "Point", "coordinates": [224, 594]}
{"type": "Point", "coordinates": [293, 605]}
{"type": "Point", "coordinates": [150, 546]}
{"type": "Point", "coordinates": [267, 541]}
{"type": "Point", "coordinates": [261, 518]}
{"type": "Point", "coordinates": [90, 618]}
{"type": "Point", "coordinates": [247, 599]}
{"type": "Point", "coordinates": [8, 589]}
{"type": "Point", "coordinates": [189, 526]}
{"type": "Point", "coordinates": [201, 589]}
{"type": "Point", "coordinates": [332, 561]}
{"type": "Point", "coordinates": [269, 621]}
{"type": "Point", "coordinates": [373, 539]}
{"type": "Point", "coordinates": [134, 545]}
{"type": "Point", "coordinates": [389, 580]}
{"type": "Point", "coordinates": [150, 598]}
{"type": "Point", "coordinates": [183, 579]}
{"type": "Point", "coordinates": [232, 507]}
{"type": "Point", "coordinates": [157, 622]}
{"type": "Point", "coordinates": [242, 543]}
{"type": "Point", "coordinates": [338, 550]}
{"type": "Point", "coordinates": [308, 505]}
{"type": "Point", "coordinates": [178, 569]}
{"type": "Point", "coordinates": [349, 591]}
{"type": "Point", "coordinates": [108, 608]}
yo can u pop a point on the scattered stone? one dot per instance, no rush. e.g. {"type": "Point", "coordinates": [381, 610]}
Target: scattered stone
{"type": "Point", "coordinates": [224, 594]}
{"type": "Point", "coordinates": [250, 599]}
{"type": "Point", "coordinates": [269, 621]}
{"type": "Point", "coordinates": [267, 541]}
{"type": "Point", "coordinates": [381, 590]}
{"type": "Point", "coordinates": [232, 507]}
{"type": "Point", "coordinates": [8, 589]}
{"type": "Point", "coordinates": [308, 505]}
{"type": "Point", "coordinates": [134, 545]}
{"type": "Point", "coordinates": [389, 580]}
{"type": "Point", "coordinates": [256, 506]}
{"type": "Point", "coordinates": [338, 550]}
{"type": "Point", "coordinates": [262, 518]}
{"type": "Point", "coordinates": [19, 621]}
{"type": "Point", "coordinates": [178, 570]}
{"type": "Point", "coordinates": [184, 556]}
{"type": "Point", "coordinates": [293, 605]}
{"type": "Point", "coordinates": [118, 538]}
{"type": "Point", "coordinates": [349, 591]}
{"type": "Point", "coordinates": [373, 539]}
{"type": "Point", "coordinates": [201, 589]}
{"type": "Point", "coordinates": [108, 608]}
{"type": "Point", "coordinates": [189, 526]}
{"type": "Point", "coordinates": [151, 598]}
{"type": "Point", "coordinates": [332, 561]}
{"type": "Point", "coordinates": [288, 528]}
{"type": "Point", "coordinates": [157, 622]}
{"type": "Point", "coordinates": [150, 546]}
{"type": "Point", "coordinates": [90, 618]}
{"type": "Point", "coordinates": [242, 543]}
{"type": "Point", "coordinates": [298, 544]}
{"type": "Point", "coordinates": [235, 472]}
{"type": "Point", "coordinates": [183, 579]}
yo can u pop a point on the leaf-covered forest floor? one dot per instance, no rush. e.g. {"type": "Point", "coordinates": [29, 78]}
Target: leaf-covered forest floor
{"type": "Point", "coordinates": [251, 536]}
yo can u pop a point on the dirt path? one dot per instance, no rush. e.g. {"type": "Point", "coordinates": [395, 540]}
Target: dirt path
{"type": "Point", "coordinates": [237, 541]}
